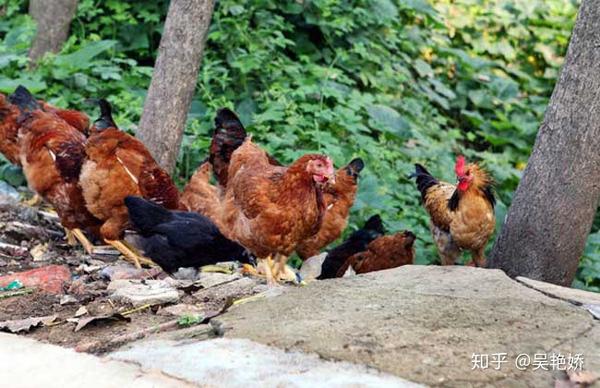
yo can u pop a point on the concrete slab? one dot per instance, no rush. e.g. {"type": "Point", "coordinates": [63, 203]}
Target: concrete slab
{"type": "Point", "coordinates": [241, 363]}
{"type": "Point", "coordinates": [423, 324]}
{"type": "Point", "coordinates": [27, 363]}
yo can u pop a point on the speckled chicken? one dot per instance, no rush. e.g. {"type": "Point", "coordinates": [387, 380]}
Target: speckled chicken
{"type": "Point", "coordinates": [462, 215]}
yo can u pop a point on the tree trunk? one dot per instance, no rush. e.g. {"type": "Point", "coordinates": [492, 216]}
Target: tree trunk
{"type": "Point", "coordinates": [174, 79]}
{"type": "Point", "coordinates": [554, 206]}
{"type": "Point", "coordinates": [53, 19]}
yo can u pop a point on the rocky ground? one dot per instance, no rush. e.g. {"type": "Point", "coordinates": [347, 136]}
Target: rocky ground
{"type": "Point", "coordinates": [435, 326]}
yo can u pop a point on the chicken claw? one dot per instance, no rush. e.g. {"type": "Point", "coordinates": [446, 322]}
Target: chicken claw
{"type": "Point", "coordinates": [130, 253]}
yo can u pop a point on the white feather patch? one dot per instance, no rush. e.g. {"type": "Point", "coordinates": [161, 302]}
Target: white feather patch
{"type": "Point", "coordinates": [52, 155]}
{"type": "Point", "coordinates": [133, 178]}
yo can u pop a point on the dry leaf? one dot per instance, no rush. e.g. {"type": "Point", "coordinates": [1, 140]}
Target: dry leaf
{"type": "Point", "coordinates": [19, 325]}
{"type": "Point", "coordinates": [83, 322]}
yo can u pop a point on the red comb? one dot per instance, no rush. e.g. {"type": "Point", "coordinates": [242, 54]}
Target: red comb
{"type": "Point", "coordinates": [459, 167]}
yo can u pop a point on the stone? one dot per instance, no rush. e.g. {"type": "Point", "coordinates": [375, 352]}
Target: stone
{"type": "Point", "coordinates": [240, 363]}
{"type": "Point", "coordinates": [211, 279]}
{"type": "Point", "coordinates": [422, 323]}
{"type": "Point", "coordinates": [568, 294]}
{"type": "Point", "coordinates": [153, 292]}
{"type": "Point", "coordinates": [35, 364]}
{"type": "Point", "coordinates": [118, 271]}
{"type": "Point", "coordinates": [179, 310]}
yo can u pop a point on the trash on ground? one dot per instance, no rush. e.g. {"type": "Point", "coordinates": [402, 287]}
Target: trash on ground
{"type": "Point", "coordinates": [50, 279]}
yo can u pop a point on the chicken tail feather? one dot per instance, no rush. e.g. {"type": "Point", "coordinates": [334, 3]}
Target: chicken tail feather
{"type": "Point", "coordinates": [23, 98]}
{"type": "Point", "coordinates": [229, 134]}
{"type": "Point", "coordinates": [424, 179]}
{"type": "Point", "coordinates": [145, 215]}
{"type": "Point", "coordinates": [105, 120]}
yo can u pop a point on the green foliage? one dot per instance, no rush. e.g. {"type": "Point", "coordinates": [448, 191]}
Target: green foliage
{"type": "Point", "coordinates": [392, 81]}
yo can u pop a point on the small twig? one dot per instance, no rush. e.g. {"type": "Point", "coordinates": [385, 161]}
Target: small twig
{"type": "Point", "coordinates": [135, 310]}
{"type": "Point", "coordinates": [20, 292]}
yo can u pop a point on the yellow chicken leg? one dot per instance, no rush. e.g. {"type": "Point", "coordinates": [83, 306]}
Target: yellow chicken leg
{"type": "Point", "coordinates": [83, 240]}
{"type": "Point", "coordinates": [71, 240]}
{"type": "Point", "coordinates": [34, 201]}
{"type": "Point", "coordinates": [129, 254]}
{"type": "Point", "coordinates": [265, 265]}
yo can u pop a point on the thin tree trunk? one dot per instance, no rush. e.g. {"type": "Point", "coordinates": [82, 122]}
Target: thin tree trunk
{"type": "Point", "coordinates": [174, 79]}
{"type": "Point", "coordinates": [53, 19]}
{"type": "Point", "coordinates": [554, 206]}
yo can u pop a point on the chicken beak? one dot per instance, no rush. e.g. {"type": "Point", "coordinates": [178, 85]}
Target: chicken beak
{"type": "Point", "coordinates": [331, 179]}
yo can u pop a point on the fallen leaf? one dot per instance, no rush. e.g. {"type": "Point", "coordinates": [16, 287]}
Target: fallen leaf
{"type": "Point", "coordinates": [81, 311]}
{"type": "Point", "coordinates": [83, 322]}
{"type": "Point", "coordinates": [19, 325]}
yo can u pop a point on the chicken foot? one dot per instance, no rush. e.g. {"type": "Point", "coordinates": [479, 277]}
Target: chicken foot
{"type": "Point", "coordinates": [282, 271]}
{"type": "Point", "coordinates": [76, 235]}
{"type": "Point", "coordinates": [130, 253]}
{"type": "Point", "coordinates": [263, 265]}
{"type": "Point", "coordinates": [34, 201]}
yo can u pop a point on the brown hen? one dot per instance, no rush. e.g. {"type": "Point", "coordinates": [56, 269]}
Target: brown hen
{"type": "Point", "coordinates": [10, 111]}
{"type": "Point", "coordinates": [270, 209]}
{"type": "Point", "coordinates": [52, 153]}
{"type": "Point", "coordinates": [382, 253]}
{"type": "Point", "coordinates": [338, 198]}
{"type": "Point", "coordinates": [119, 165]}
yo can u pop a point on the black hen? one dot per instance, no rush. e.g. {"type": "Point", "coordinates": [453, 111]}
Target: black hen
{"type": "Point", "coordinates": [178, 239]}
{"type": "Point", "coordinates": [357, 242]}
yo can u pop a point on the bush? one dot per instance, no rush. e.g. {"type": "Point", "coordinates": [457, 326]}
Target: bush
{"type": "Point", "coordinates": [394, 82]}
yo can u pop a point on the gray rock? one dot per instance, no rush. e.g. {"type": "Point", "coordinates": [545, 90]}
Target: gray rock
{"type": "Point", "coordinates": [138, 293]}
{"type": "Point", "coordinates": [25, 355]}
{"type": "Point", "coordinates": [242, 363]}
{"type": "Point", "coordinates": [211, 279]}
{"type": "Point", "coordinates": [423, 324]}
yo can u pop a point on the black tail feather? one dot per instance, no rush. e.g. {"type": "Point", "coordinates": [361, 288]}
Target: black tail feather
{"type": "Point", "coordinates": [229, 134]}
{"type": "Point", "coordinates": [105, 120]}
{"type": "Point", "coordinates": [424, 179]}
{"type": "Point", "coordinates": [23, 98]}
{"type": "Point", "coordinates": [146, 215]}
{"type": "Point", "coordinates": [357, 242]}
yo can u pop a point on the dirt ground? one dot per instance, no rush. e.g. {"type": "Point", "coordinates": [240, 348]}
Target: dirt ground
{"type": "Point", "coordinates": [30, 237]}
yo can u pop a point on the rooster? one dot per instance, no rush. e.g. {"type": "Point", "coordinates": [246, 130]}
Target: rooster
{"type": "Point", "coordinates": [179, 239]}
{"type": "Point", "coordinates": [339, 198]}
{"type": "Point", "coordinates": [118, 165]}
{"type": "Point", "coordinates": [270, 209]}
{"type": "Point", "coordinates": [52, 152]}
{"type": "Point", "coordinates": [462, 215]}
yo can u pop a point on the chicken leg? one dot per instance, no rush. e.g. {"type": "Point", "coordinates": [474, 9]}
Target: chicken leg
{"type": "Point", "coordinates": [130, 253]}
{"type": "Point", "coordinates": [264, 264]}
{"type": "Point", "coordinates": [34, 201]}
{"type": "Point", "coordinates": [282, 271]}
{"type": "Point", "coordinates": [76, 235]}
